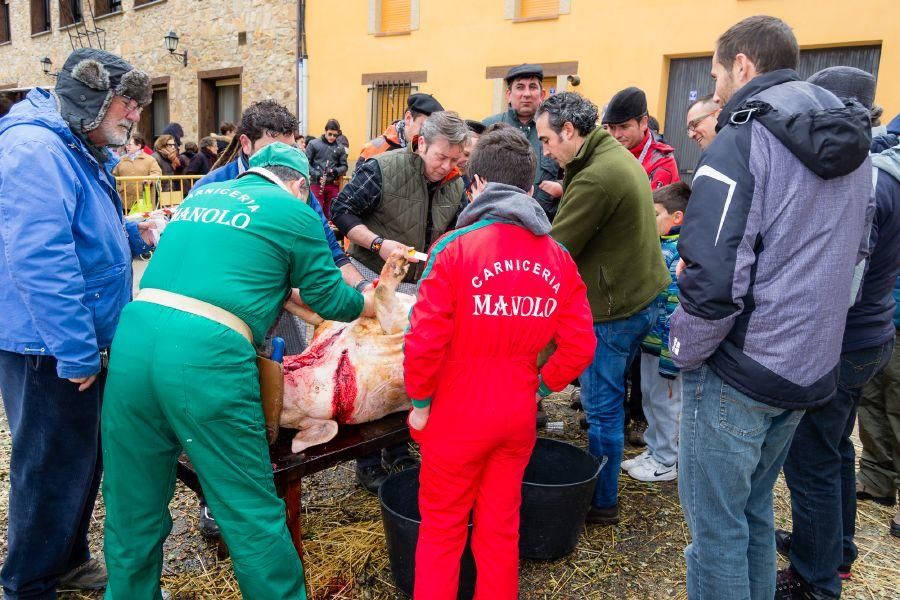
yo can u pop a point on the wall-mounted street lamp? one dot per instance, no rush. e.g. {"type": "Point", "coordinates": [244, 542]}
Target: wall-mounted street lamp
{"type": "Point", "coordinates": [172, 45]}
{"type": "Point", "coordinates": [46, 65]}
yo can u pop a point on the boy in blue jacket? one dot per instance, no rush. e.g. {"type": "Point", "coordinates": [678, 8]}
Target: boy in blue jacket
{"type": "Point", "coordinates": [660, 379]}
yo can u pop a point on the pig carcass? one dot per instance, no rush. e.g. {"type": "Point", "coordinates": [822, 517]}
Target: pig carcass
{"type": "Point", "coordinates": [352, 372]}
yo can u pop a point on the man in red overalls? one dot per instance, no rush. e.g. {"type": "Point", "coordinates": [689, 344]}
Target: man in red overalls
{"type": "Point", "coordinates": [494, 293]}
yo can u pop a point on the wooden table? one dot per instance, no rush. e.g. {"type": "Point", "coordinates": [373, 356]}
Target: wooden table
{"type": "Point", "coordinates": [288, 469]}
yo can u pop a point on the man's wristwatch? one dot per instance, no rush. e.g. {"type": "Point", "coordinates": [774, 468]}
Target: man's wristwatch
{"type": "Point", "coordinates": [361, 285]}
{"type": "Point", "coordinates": [375, 246]}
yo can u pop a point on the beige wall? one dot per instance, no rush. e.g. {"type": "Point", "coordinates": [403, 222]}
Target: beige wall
{"type": "Point", "coordinates": [208, 30]}
{"type": "Point", "coordinates": [616, 44]}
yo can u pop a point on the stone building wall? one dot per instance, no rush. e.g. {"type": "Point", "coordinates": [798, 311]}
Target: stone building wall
{"type": "Point", "coordinates": [209, 31]}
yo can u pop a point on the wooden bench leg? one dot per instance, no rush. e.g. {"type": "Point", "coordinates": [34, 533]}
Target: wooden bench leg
{"type": "Point", "coordinates": [291, 495]}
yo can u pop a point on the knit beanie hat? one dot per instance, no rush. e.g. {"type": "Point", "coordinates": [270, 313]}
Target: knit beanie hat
{"type": "Point", "coordinates": [846, 83]}
{"type": "Point", "coordinates": [89, 80]}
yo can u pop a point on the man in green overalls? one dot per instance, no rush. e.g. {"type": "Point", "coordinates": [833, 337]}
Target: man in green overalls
{"type": "Point", "coordinates": [183, 374]}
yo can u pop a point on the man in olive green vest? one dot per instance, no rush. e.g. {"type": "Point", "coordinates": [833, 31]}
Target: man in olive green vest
{"type": "Point", "coordinates": [607, 223]}
{"type": "Point", "coordinates": [405, 198]}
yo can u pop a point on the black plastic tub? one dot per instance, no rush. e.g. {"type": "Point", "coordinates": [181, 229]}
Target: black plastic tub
{"type": "Point", "coordinates": [556, 495]}
{"type": "Point", "coordinates": [399, 497]}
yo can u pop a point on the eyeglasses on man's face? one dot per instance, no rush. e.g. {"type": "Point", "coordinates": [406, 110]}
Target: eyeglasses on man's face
{"type": "Point", "coordinates": [131, 105]}
{"type": "Point", "coordinates": [694, 123]}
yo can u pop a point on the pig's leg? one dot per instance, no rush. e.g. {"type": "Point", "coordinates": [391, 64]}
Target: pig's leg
{"type": "Point", "coordinates": [313, 432]}
{"type": "Point", "coordinates": [387, 310]}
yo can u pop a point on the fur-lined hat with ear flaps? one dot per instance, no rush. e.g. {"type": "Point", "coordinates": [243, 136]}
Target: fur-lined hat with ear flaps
{"type": "Point", "coordinates": [90, 79]}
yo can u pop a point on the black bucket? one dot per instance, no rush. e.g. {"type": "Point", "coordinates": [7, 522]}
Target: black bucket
{"type": "Point", "coordinates": [556, 496]}
{"type": "Point", "coordinates": [399, 496]}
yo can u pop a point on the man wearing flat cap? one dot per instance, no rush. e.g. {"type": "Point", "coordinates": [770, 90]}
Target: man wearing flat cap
{"type": "Point", "coordinates": [626, 119]}
{"type": "Point", "coordinates": [65, 274]}
{"type": "Point", "coordinates": [524, 94]}
{"type": "Point", "coordinates": [183, 374]}
{"type": "Point", "coordinates": [400, 133]}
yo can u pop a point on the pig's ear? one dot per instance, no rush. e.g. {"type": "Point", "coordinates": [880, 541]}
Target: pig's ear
{"type": "Point", "coordinates": [313, 432]}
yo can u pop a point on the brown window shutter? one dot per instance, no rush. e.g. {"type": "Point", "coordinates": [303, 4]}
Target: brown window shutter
{"type": "Point", "coordinates": [4, 21]}
{"type": "Point", "coordinates": [38, 16]}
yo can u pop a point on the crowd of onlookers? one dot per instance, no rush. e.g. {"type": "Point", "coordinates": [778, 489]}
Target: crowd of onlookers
{"type": "Point", "coordinates": [734, 327]}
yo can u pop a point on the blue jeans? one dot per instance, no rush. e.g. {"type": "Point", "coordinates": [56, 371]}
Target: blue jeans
{"type": "Point", "coordinates": [603, 395]}
{"type": "Point", "coordinates": [730, 453]}
{"type": "Point", "coordinates": [54, 473]}
{"type": "Point", "coordinates": [820, 473]}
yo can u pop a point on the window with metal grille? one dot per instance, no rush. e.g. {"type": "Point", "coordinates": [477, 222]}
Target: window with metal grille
{"type": "Point", "coordinates": [387, 103]}
{"type": "Point", "coordinates": [537, 9]}
{"type": "Point", "coordinates": [396, 16]}
{"type": "Point", "coordinates": [40, 16]}
{"type": "Point", "coordinates": [5, 34]}
{"type": "Point", "coordinates": [69, 12]}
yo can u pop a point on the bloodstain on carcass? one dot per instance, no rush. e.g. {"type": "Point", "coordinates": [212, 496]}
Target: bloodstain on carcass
{"type": "Point", "coordinates": [351, 373]}
{"type": "Point", "coordinates": [344, 389]}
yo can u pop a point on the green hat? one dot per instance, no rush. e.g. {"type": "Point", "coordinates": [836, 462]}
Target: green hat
{"type": "Point", "coordinates": [278, 154]}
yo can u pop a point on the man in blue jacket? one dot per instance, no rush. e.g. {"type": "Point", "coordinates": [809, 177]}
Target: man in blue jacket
{"type": "Point", "coordinates": [261, 124]}
{"type": "Point", "coordinates": [65, 275]}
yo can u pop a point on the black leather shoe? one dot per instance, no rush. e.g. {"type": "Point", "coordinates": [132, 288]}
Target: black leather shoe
{"type": "Point", "coordinates": [603, 516]}
{"type": "Point", "coordinates": [371, 477]}
{"type": "Point", "coordinates": [783, 542]}
{"type": "Point", "coordinates": [790, 586]}
{"type": "Point", "coordinates": [208, 526]}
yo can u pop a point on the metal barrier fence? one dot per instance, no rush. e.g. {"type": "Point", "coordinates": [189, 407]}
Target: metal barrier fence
{"type": "Point", "coordinates": [141, 194]}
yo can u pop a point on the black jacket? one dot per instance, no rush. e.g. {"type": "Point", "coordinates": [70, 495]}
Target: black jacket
{"type": "Point", "coordinates": [326, 159]}
{"type": "Point", "coordinates": [870, 320]}
{"type": "Point", "coordinates": [201, 163]}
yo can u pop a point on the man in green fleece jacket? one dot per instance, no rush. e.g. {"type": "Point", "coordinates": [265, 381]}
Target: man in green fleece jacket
{"type": "Point", "coordinates": [606, 222]}
{"type": "Point", "coordinates": [183, 373]}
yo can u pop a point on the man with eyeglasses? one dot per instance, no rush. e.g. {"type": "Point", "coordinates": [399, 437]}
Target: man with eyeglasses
{"type": "Point", "coordinates": [65, 275]}
{"type": "Point", "coordinates": [626, 118]}
{"type": "Point", "coordinates": [701, 120]}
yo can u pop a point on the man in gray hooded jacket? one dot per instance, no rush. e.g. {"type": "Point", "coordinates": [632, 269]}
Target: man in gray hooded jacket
{"type": "Point", "coordinates": [770, 242]}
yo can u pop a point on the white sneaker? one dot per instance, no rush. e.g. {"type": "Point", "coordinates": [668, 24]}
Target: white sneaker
{"type": "Point", "coordinates": [651, 470]}
{"type": "Point", "coordinates": [633, 462]}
